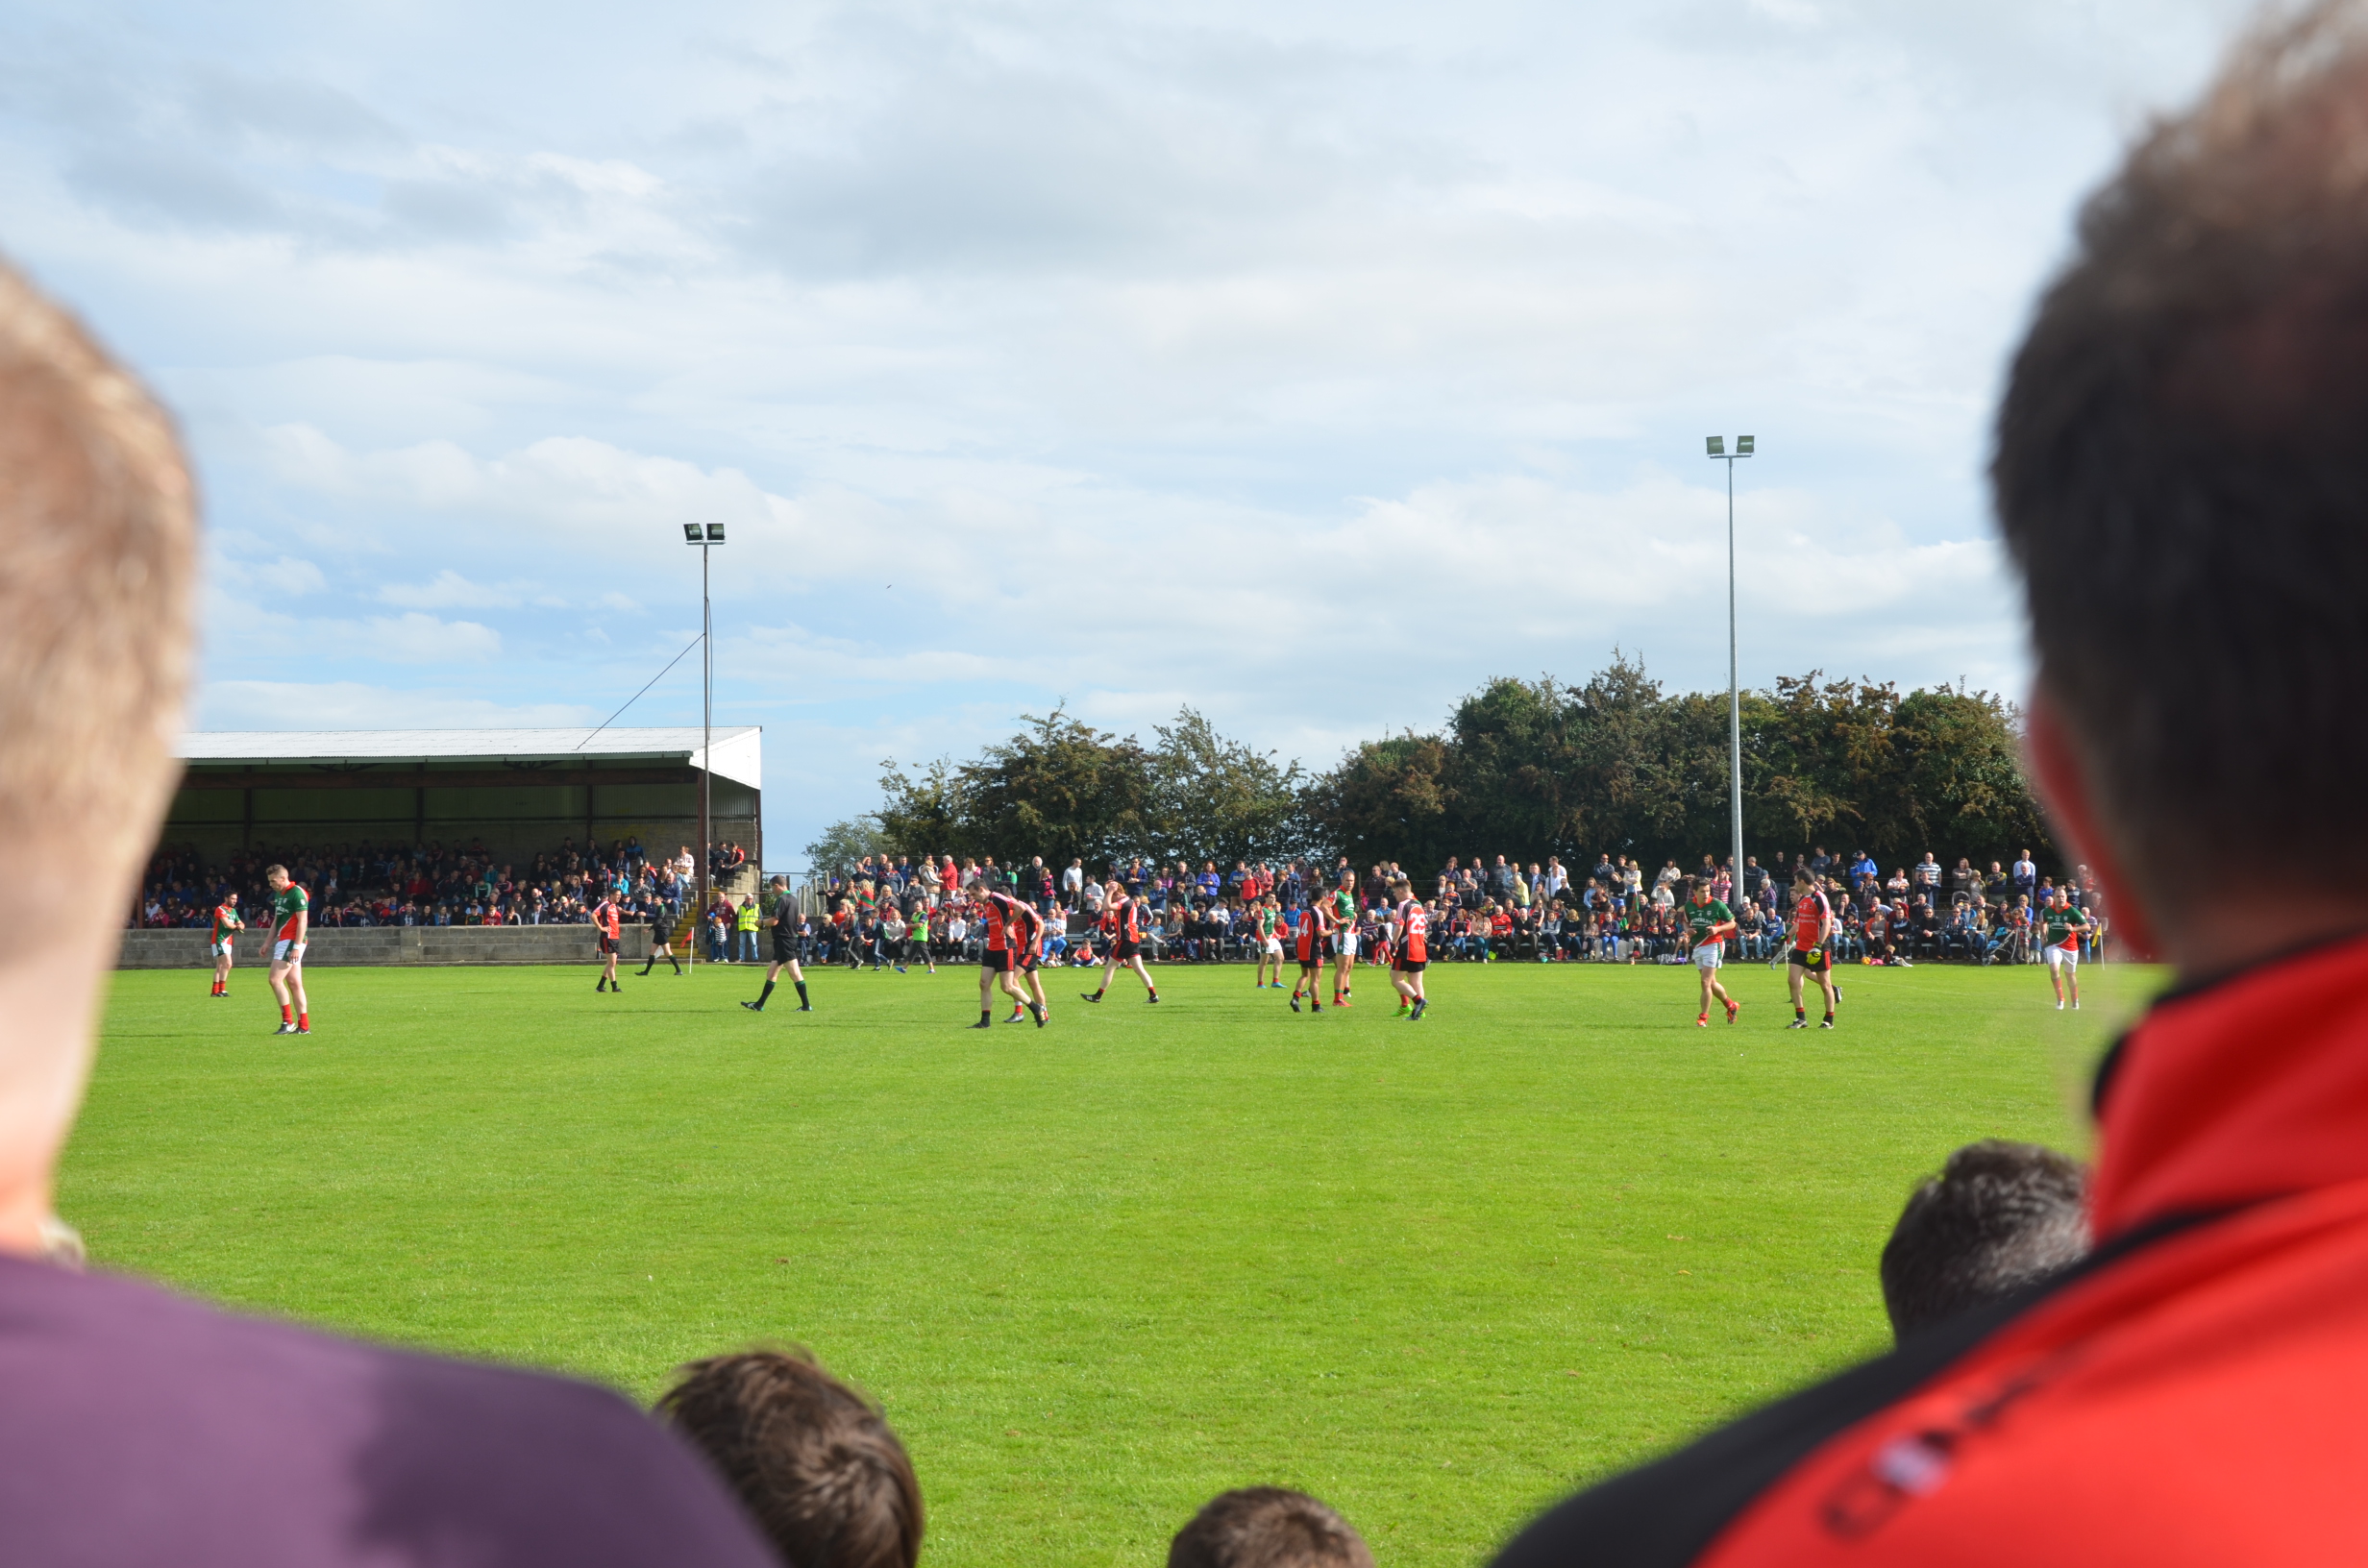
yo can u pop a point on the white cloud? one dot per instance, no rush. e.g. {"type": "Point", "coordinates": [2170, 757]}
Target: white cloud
{"type": "Point", "coordinates": [415, 638]}
{"type": "Point", "coordinates": [281, 705]}
{"type": "Point", "coordinates": [448, 590]}
{"type": "Point", "coordinates": [1149, 356]}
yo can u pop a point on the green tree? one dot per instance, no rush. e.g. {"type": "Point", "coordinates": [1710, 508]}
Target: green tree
{"type": "Point", "coordinates": [1388, 800]}
{"type": "Point", "coordinates": [1059, 789]}
{"type": "Point", "coordinates": [843, 844]}
{"type": "Point", "coordinates": [1216, 799]}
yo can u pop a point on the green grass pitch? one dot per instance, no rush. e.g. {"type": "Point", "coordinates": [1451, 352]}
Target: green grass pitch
{"type": "Point", "coordinates": [1434, 1273]}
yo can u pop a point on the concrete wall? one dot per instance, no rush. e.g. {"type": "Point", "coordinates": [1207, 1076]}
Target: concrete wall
{"type": "Point", "coordinates": [389, 944]}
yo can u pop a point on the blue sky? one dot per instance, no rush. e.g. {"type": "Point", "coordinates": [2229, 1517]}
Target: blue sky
{"type": "Point", "coordinates": [1307, 363]}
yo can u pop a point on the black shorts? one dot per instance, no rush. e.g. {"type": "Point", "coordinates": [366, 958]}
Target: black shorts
{"type": "Point", "coordinates": [1816, 963]}
{"type": "Point", "coordinates": [784, 946]}
{"type": "Point", "coordinates": [1000, 963]}
{"type": "Point", "coordinates": [1026, 964]}
{"type": "Point", "coordinates": [1312, 961]}
{"type": "Point", "coordinates": [1122, 951]}
{"type": "Point", "coordinates": [1412, 966]}
{"type": "Point", "coordinates": [609, 943]}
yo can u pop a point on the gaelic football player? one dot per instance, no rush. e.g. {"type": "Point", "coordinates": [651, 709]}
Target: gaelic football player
{"type": "Point", "coordinates": [1343, 913]}
{"type": "Point", "coordinates": [1117, 917]}
{"type": "Point", "coordinates": [1413, 956]}
{"type": "Point", "coordinates": [607, 924]}
{"type": "Point", "coordinates": [1708, 924]}
{"type": "Point", "coordinates": [292, 921]}
{"type": "Point", "coordinates": [784, 950]}
{"type": "Point", "coordinates": [2060, 929]}
{"type": "Point", "coordinates": [1315, 936]}
{"type": "Point", "coordinates": [995, 959]}
{"type": "Point", "coordinates": [1027, 956]}
{"type": "Point", "coordinates": [1812, 955]}
{"type": "Point", "coordinates": [226, 926]}
{"type": "Point", "coordinates": [1266, 917]}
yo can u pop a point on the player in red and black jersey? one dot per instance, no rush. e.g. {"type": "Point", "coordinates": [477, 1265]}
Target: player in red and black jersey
{"type": "Point", "coordinates": [1811, 957]}
{"type": "Point", "coordinates": [1315, 934]}
{"type": "Point", "coordinates": [1413, 956]}
{"type": "Point", "coordinates": [609, 924]}
{"type": "Point", "coordinates": [998, 913]}
{"type": "Point", "coordinates": [1121, 925]}
{"type": "Point", "coordinates": [1028, 950]}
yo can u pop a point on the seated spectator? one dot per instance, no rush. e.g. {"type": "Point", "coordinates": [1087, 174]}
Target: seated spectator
{"type": "Point", "coordinates": [1998, 1217]}
{"type": "Point", "coordinates": [1268, 1527]}
{"type": "Point", "coordinates": [815, 1464]}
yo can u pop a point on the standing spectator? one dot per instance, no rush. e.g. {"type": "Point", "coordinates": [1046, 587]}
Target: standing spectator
{"type": "Point", "coordinates": [2026, 876]}
{"type": "Point", "coordinates": [1928, 879]}
{"type": "Point", "coordinates": [744, 921]}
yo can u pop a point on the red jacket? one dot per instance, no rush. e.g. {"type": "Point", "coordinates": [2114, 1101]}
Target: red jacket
{"type": "Point", "coordinates": [2192, 1395]}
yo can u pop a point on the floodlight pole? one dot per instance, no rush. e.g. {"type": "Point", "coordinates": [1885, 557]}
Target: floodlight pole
{"type": "Point", "coordinates": [1735, 695]}
{"type": "Point", "coordinates": [706, 744]}
{"type": "Point", "coordinates": [707, 538]}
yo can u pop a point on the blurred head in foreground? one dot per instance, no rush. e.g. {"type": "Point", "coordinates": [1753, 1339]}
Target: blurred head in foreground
{"type": "Point", "coordinates": [816, 1466]}
{"type": "Point", "coordinates": [1268, 1527]}
{"type": "Point", "coordinates": [97, 539]}
{"type": "Point", "coordinates": [2179, 475]}
{"type": "Point", "coordinates": [1998, 1217]}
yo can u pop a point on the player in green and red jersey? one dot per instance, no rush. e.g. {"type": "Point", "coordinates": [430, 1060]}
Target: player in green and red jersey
{"type": "Point", "coordinates": [1343, 913]}
{"type": "Point", "coordinates": [1268, 915]}
{"type": "Point", "coordinates": [1708, 924]}
{"type": "Point", "coordinates": [291, 921]}
{"type": "Point", "coordinates": [2060, 929]}
{"type": "Point", "coordinates": [1812, 956]}
{"type": "Point", "coordinates": [226, 925]}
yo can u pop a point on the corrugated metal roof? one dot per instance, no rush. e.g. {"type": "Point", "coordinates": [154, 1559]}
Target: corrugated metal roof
{"type": "Point", "coordinates": [738, 754]}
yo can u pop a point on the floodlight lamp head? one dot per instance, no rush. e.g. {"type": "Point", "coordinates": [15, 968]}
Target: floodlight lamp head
{"type": "Point", "coordinates": [1742, 446]}
{"type": "Point", "coordinates": [1719, 446]}
{"type": "Point", "coordinates": [690, 534]}
{"type": "Point", "coordinates": [715, 533]}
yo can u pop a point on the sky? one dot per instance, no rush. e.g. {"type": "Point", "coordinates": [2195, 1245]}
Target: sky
{"type": "Point", "coordinates": [1310, 364]}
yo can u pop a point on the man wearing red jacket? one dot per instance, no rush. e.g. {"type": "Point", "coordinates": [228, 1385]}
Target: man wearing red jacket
{"type": "Point", "coordinates": [2179, 475]}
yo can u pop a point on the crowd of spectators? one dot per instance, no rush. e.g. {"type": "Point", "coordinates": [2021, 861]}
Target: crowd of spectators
{"type": "Point", "coordinates": [1479, 910]}
{"type": "Point", "coordinates": [370, 885]}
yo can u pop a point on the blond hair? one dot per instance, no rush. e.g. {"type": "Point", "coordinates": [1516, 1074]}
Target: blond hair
{"type": "Point", "coordinates": [98, 534]}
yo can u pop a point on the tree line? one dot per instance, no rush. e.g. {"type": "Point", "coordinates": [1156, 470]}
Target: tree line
{"type": "Point", "coordinates": [1522, 768]}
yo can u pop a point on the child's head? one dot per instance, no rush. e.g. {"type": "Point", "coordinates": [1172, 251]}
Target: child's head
{"type": "Point", "coordinates": [1268, 1527]}
{"type": "Point", "coordinates": [814, 1464]}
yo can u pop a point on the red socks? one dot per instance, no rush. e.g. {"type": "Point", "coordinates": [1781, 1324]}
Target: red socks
{"type": "Point", "coordinates": [287, 1014]}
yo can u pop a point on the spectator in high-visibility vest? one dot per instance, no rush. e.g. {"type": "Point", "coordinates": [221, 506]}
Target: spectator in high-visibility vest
{"type": "Point", "coordinates": [745, 924]}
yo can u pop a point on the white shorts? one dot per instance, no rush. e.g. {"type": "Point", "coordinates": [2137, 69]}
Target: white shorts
{"type": "Point", "coordinates": [287, 951]}
{"type": "Point", "coordinates": [1709, 955]}
{"type": "Point", "coordinates": [218, 950]}
{"type": "Point", "coordinates": [1274, 946]}
{"type": "Point", "coordinates": [2063, 958]}
{"type": "Point", "coordinates": [1345, 943]}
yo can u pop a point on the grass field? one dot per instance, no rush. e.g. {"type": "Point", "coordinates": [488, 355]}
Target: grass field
{"type": "Point", "coordinates": [1432, 1273]}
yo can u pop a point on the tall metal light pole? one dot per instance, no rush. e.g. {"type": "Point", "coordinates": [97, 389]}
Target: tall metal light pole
{"type": "Point", "coordinates": [1734, 694]}
{"type": "Point", "coordinates": [706, 539]}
